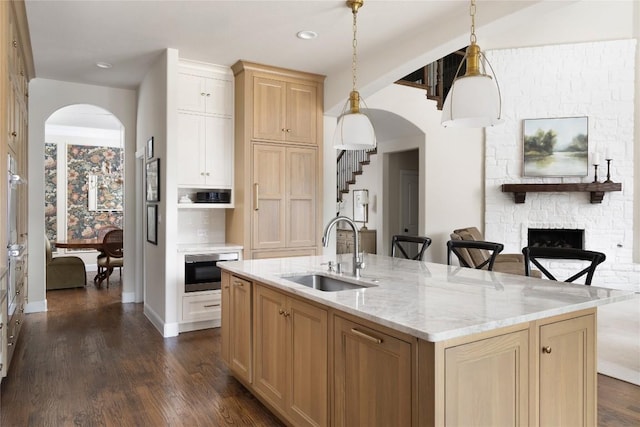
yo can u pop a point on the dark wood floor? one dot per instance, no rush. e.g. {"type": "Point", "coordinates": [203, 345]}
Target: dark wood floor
{"type": "Point", "coordinates": [92, 361]}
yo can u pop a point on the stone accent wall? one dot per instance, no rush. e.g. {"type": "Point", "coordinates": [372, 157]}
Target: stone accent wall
{"type": "Point", "coordinates": [587, 79]}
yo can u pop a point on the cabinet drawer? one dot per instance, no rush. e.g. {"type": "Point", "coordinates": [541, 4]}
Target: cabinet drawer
{"type": "Point", "coordinates": [201, 307]}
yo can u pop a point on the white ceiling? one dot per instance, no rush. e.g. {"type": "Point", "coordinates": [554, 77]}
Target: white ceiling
{"type": "Point", "coordinates": [69, 37]}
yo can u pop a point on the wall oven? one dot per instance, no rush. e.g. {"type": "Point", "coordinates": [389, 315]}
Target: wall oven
{"type": "Point", "coordinates": [201, 271]}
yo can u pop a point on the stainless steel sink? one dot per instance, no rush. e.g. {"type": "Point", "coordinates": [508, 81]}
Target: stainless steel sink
{"type": "Point", "coordinates": [324, 283]}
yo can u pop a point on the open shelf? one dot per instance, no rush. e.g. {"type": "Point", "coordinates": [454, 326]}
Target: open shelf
{"type": "Point", "coordinates": [597, 189]}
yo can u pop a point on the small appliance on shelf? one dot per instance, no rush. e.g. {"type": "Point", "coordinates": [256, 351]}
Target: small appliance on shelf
{"type": "Point", "coordinates": [213, 196]}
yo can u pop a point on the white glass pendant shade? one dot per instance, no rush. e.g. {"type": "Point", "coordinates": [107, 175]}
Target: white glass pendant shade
{"type": "Point", "coordinates": [473, 101]}
{"type": "Point", "coordinates": [354, 132]}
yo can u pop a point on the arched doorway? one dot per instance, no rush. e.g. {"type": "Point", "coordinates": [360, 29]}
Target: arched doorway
{"type": "Point", "coordinates": [83, 175]}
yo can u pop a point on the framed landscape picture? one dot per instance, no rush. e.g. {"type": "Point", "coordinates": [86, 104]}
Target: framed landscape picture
{"type": "Point", "coordinates": [556, 147]}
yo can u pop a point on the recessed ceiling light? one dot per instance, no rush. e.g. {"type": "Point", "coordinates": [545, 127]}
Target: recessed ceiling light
{"type": "Point", "coordinates": [307, 35]}
{"type": "Point", "coordinates": [103, 65]}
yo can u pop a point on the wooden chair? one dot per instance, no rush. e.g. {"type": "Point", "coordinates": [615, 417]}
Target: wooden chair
{"type": "Point", "coordinates": [397, 242]}
{"type": "Point", "coordinates": [460, 248]}
{"type": "Point", "coordinates": [113, 249]}
{"type": "Point", "coordinates": [100, 234]}
{"type": "Point", "coordinates": [534, 254]}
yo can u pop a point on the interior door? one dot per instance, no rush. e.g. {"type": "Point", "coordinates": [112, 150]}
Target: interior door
{"type": "Point", "coordinates": [409, 186]}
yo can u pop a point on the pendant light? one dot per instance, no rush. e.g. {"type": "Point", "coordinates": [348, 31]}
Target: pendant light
{"type": "Point", "coordinates": [354, 130]}
{"type": "Point", "coordinates": [474, 99]}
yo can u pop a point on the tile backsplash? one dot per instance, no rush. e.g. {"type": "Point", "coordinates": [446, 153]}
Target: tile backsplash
{"type": "Point", "coordinates": [201, 226]}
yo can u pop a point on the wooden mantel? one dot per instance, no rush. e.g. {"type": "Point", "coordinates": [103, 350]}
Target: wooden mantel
{"type": "Point", "coordinates": [597, 189]}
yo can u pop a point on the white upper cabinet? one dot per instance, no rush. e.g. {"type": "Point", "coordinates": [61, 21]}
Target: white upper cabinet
{"type": "Point", "coordinates": [205, 126]}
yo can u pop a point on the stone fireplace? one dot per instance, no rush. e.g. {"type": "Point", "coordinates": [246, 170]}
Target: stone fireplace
{"type": "Point", "coordinates": [528, 93]}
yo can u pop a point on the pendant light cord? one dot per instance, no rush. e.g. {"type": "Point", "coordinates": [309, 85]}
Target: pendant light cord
{"type": "Point", "coordinates": [472, 12]}
{"type": "Point", "coordinates": [354, 57]}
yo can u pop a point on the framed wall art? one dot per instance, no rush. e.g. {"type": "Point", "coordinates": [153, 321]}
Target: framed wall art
{"type": "Point", "coordinates": [152, 224]}
{"type": "Point", "coordinates": [150, 148]}
{"type": "Point", "coordinates": [152, 178]}
{"type": "Point", "coordinates": [556, 147]}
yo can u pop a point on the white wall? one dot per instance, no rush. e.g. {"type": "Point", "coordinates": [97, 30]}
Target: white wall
{"type": "Point", "coordinates": [45, 97]}
{"type": "Point", "coordinates": [451, 168]}
{"type": "Point", "coordinates": [156, 99]}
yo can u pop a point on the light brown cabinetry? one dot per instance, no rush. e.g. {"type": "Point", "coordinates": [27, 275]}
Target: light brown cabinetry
{"type": "Point", "coordinates": [501, 361]}
{"type": "Point", "coordinates": [17, 68]}
{"type": "Point", "coordinates": [373, 376]}
{"type": "Point", "coordinates": [284, 111]}
{"type": "Point", "coordinates": [238, 332]}
{"type": "Point", "coordinates": [567, 372]}
{"type": "Point", "coordinates": [344, 241]}
{"type": "Point", "coordinates": [278, 162]}
{"type": "Point", "coordinates": [290, 356]}
{"type": "Point", "coordinates": [284, 197]}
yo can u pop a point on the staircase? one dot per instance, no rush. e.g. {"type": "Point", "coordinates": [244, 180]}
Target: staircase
{"type": "Point", "coordinates": [350, 163]}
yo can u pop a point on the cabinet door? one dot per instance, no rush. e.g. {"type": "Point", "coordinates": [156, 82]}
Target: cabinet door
{"type": "Point", "coordinates": [191, 134]}
{"type": "Point", "coordinates": [217, 153]}
{"type": "Point", "coordinates": [568, 373]}
{"type": "Point", "coordinates": [307, 361]}
{"type": "Point", "coordinates": [372, 377]}
{"type": "Point", "coordinates": [301, 112]}
{"type": "Point", "coordinates": [192, 95]}
{"type": "Point", "coordinates": [268, 201]}
{"type": "Point", "coordinates": [226, 315]}
{"type": "Point", "coordinates": [269, 345]}
{"type": "Point", "coordinates": [240, 333]}
{"type": "Point", "coordinates": [268, 109]}
{"type": "Point", "coordinates": [502, 362]}
{"type": "Point", "coordinates": [219, 97]}
{"type": "Point", "coordinates": [301, 197]}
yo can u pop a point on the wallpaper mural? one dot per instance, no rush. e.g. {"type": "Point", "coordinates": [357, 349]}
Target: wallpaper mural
{"type": "Point", "coordinates": [50, 191]}
{"type": "Point", "coordinates": [83, 161]}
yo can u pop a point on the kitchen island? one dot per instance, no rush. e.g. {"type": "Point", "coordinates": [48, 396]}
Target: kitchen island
{"type": "Point", "coordinates": [417, 344]}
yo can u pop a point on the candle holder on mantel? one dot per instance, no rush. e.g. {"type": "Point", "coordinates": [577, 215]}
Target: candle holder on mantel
{"type": "Point", "coordinates": [595, 173]}
{"type": "Point", "coordinates": [608, 170]}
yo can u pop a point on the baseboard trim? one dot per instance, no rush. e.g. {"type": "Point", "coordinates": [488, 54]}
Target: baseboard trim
{"type": "Point", "coordinates": [36, 306]}
{"type": "Point", "coordinates": [128, 297]}
{"type": "Point", "coordinates": [166, 329]}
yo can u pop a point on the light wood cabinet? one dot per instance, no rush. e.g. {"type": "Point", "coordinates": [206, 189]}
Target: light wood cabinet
{"type": "Point", "coordinates": [284, 205]}
{"type": "Point", "coordinates": [205, 126]}
{"type": "Point", "coordinates": [373, 376]}
{"type": "Point", "coordinates": [344, 241]}
{"type": "Point", "coordinates": [567, 372]}
{"type": "Point", "coordinates": [239, 333]}
{"type": "Point", "coordinates": [17, 69]}
{"type": "Point", "coordinates": [284, 111]}
{"type": "Point", "coordinates": [501, 361]}
{"type": "Point", "coordinates": [290, 356]}
{"type": "Point", "coordinates": [278, 162]}
{"type": "Point", "coordinates": [225, 321]}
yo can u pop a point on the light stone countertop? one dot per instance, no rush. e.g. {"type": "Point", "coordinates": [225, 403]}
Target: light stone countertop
{"type": "Point", "coordinates": [434, 302]}
{"type": "Point", "coordinates": [208, 247]}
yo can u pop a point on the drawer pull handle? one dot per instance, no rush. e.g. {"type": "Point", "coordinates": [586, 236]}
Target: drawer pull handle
{"type": "Point", "coordinates": [238, 283]}
{"type": "Point", "coordinates": [366, 336]}
{"type": "Point", "coordinates": [281, 312]}
{"type": "Point", "coordinates": [546, 350]}
{"type": "Point", "coordinates": [211, 305]}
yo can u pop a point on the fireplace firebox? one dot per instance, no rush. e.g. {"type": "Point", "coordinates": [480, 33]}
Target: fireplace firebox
{"type": "Point", "coordinates": [556, 238]}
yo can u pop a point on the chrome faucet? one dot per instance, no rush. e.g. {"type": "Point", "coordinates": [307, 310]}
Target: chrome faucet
{"type": "Point", "coordinates": [358, 264]}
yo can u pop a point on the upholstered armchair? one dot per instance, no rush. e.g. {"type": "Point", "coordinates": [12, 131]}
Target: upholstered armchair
{"type": "Point", "coordinates": [64, 272]}
{"type": "Point", "coordinates": [504, 263]}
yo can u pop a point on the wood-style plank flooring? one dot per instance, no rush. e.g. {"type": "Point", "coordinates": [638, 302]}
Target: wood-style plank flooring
{"type": "Point", "coordinates": [92, 361]}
